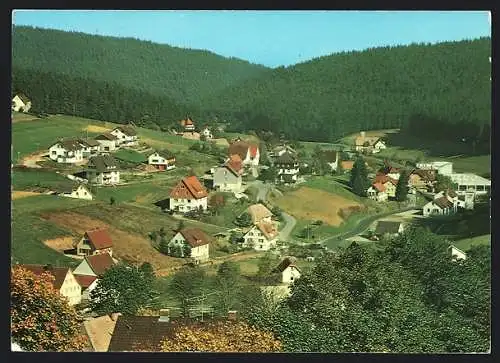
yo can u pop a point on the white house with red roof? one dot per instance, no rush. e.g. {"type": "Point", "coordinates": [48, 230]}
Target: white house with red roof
{"type": "Point", "coordinates": [228, 178]}
{"type": "Point", "coordinates": [188, 124]}
{"type": "Point", "coordinates": [95, 242]}
{"type": "Point", "coordinates": [248, 152]}
{"type": "Point", "coordinates": [262, 236]}
{"type": "Point", "coordinates": [196, 239]}
{"type": "Point", "coordinates": [188, 194]}
{"type": "Point", "coordinates": [87, 273]}
{"type": "Point", "coordinates": [377, 192]}
{"type": "Point", "coordinates": [388, 183]}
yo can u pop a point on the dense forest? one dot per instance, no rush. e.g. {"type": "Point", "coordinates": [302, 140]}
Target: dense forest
{"type": "Point", "coordinates": [441, 91]}
{"type": "Point", "coordinates": [183, 75]}
{"type": "Point", "coordinates": [406, 296]}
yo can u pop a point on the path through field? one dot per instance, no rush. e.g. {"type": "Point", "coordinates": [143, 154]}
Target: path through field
{"type": "Point", "coordinates": [16, 194]}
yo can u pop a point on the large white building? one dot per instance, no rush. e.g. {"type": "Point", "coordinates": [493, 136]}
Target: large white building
{"type": "Point", "coordinates": [442, 167]}
{"type": "Point", "coordinates": [471, 182]}
{"type": "Point", "coordinates": [103, 170]}
{"type": "Point", "coordinates": [69, 151]}
{"type": "Point", "coordinates": [188, 194]}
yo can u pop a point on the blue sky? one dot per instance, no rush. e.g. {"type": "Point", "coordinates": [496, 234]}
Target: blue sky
{"type": "Point", "coordinates": [272, 38]}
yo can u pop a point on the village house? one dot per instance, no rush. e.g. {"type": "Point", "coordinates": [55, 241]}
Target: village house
{"type": "Point", "coordinates": [206, 133]}
{"type": "Point", "coordinates": [21, 103]}
{"type": "Point", "coordinates": [88, 272]}
{"type": "Point", "coordinates": [287, 167]}
{"type": "Point", "coordinates": [95, 242]}
{"type": "Point", "coordinates": [103, 170]}
{"type": "Point", "coordinates": [162, 160]}
{"type": "Point", "coordinates": [388, 229]}
{"type": "Point", "coordinates": [259, 213]}
{"type": "Point", "coordinates": [227, 178]}
{"type": "Point", "coordinates": [125, 135]}
{"type": "Point", "coordinates": [194, 238]}
{"type": "Point", "coordinates": [457, 253]}
{"type": "Point", "coordinates": [99, 330]}
{"type": "Point", "coordinates": [332, 158]}
{"type": "Point", "coordinates": [441, 206]}
{"type": "Point", "coordinates": [108, 142]}
{"type": "Point", "coordinates": [261, 237]}
{"type": "Point", "coordinates": [390, 171]}
{"type": "Point", "coordinates": [467, 200]}
{"type": "Point", "coordinates": [441, 167]}
{"type": "Point", "coordinates": [288, 270]}
{"type": "Point", "coordinates": [79, 191]}
{"type": "Point", "coordinates": [248, 152]}
{"type": "Point", "coordinates": [368, 144]}
{"type": "Point", "coordinates": [68, 151]}
{"type": "Point", "coordinates": [377, 192]}
{"type": "Point", "coordinates": [423, 179]}
{"type": "Point", "coordinates": [388, 183]}
{"type": "Point", "coordinates": [280, 150]}
{"type": "Point", "coordinates": [188, 194]}
{"type": "Point", "coordinates": [64, 281]}
{"type": "Point", "coordinates": [187, 124]}
{"type": "Point", "coordinates": [468, 182]}
{"type": "Point", "coordinates": [91, 147]}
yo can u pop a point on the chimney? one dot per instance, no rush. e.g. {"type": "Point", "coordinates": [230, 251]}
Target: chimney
{"type": "Point", "coordinates": [362, 133]}
{"type": "Point", "coordinates": [232, 315]}
{"type": "Point", "coordinates": [164, 315]}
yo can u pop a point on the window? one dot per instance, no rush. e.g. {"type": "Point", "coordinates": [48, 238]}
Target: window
{"type": "Point", "coordinates": [462, 187]}
{"type": "Point", "coordinates": [480, 188]}
{"type": "Point", "coordinates": [261, 246]}
{"type": "Point", "coordinates": [54, 152]}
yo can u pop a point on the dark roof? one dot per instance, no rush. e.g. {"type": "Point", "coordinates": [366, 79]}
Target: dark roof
{"type": "Point", "coordinates": [329, 155]}
{"type": "Point", "coordinates": [287, 178]}
{"type": "Point", "coordinates": [102, 162]}
{"type": "Point", "coordinates": [59, 273]}
{"type": "Point", "coordinates": [89, 142]}
{"type": "Point", "coordinates": [427, 175]}
{"type": "Point", "coordinates": [443, 202]}
{"type": "Point", "coordinates": [286, 158]}
{"type": "Point", "coordinates": [195, 237]}
{"type": "Point", "coordinates": [288, 261]}
{"type": "Point", "coordinates": [100, 263]}
{"type": "Point", "coordinates": [127, 130]}
{"type": "Point", "coordinates": [106, 136]}
{"type": "Point", "coordinates": [136, 333]}
{"type": "Point", "coordinates": [85, 280]}
{"type": "Point", "coordinates": [99, 238]}
{"type": "Point", "coordinates": [387, 227]}
{"type": "Point", "coordinates": [69, 144]}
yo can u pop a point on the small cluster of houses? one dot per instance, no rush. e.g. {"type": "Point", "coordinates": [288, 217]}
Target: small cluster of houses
{"type": "Point", "coordinates": [76, 150]}
{"type": "Point", "coordinates": [368, 144]}
{"type": "Point", "coordinates": [189, 132]}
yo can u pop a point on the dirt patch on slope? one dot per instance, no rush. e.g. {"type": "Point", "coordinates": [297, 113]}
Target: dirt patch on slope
{"type": "Point", "coordinates": [16, 194]}
{"type": "Point", "coordinates": [127, 246]}
{"type": "Point", "coordinates": [314, 204]}
{"type": "Point", "coordinates": [96, 129]}
{"type": "Point", "coordinates": [60, 244]}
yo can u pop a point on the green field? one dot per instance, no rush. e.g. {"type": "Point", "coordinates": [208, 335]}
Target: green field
{"type": "Point", "coordinates": [25, 179]}
{"type": "Point", "coordinates": [466, 243]}
{"type": "Point", "coordinates": [31, 136]}
{"type": "Point", "coordinates": [131, 156]}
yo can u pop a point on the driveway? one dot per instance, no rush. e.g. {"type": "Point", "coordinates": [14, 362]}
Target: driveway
{"type": "Point", "coordinates": [290, 223]}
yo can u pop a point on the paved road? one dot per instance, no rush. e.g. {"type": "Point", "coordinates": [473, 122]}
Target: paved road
{"type": "Point", "coordinates": [290, 223]}
{"type": "Point", "coordinates": [362, 226]}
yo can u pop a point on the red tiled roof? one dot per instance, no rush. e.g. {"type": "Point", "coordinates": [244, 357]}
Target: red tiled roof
{"type": "Point", "coordinates": [85, 280]}
{"type": "Point", "coordinates": [100, 263]}
{"type": "Point", "coordinates": [195, 237]}
{"type": "Point", "coordinates": [99, 238]}
{"type": "Point", "coordinates": [379, 187]}
{"type": "Point", "coordinates": [235, 164]}
{"type": "Point", "coordinates": [59, 273]}
{"type": "Point", "coordinates": [383, 179]}
{"type": "Point", "coordinates": [189, 188]}
{"type": "Point", "coordinates": [253, 150]}
{"type": "Point", "coordinates": [269, 230]}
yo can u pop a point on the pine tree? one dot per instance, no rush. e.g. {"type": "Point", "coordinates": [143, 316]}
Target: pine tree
{"type": "Point", "coordinates": [164, 248]}
{"type": "Point", "coordinates": [402, 187]}
{"type": "Point", "coordinates": [359, 177]}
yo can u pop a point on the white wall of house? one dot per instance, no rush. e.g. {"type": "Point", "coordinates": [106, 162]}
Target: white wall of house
{"type": "Point", "coordinates": [432, 209]}
{"type": "Point", "coordinates": [199, 253]}
{"type": "Point", "coordinates": [252, 161]}
{"type": "Point", "coordinates": [124, 139]}
{"type": "Point", "coordinates": [88, 290]}
{"type": "Point", "coordinates": [378, 146]}
{"type": "Point", "coordinates": [255, 239]}
{"type": "Point", "coordinates": [80, 193]}
{"type": "Point", "coordinates": [457, 254]}
{"type": "Point", "coordinates": [84, 269]}
{"type": "Point", "coordinates": [292, 170]}
{"type": "Point", "coordinates": [107, 145]}
{"type": "Point", "coordinates": [156, 159]}
{"type": "Point", "coordinates": [71, 289]}
{"type": "Point", "coordinates": [59, 154]}
{"type": "Point", "coordinates": [19, 106]}
{"type": "Point", "coordinates": [185, 205]}
{"type": "Point", "coordinates": [103, 178]}
{"type": "Point", "coordinates": [225, 181]}
{"type": "Point", "coordinates": [290, 274]}
{"type": "Point", "coordinates": [376, 195]}
{"type": "Point", "coordinates": [207, 133]}
{"type": "Point", "coordinates": [390, 189]}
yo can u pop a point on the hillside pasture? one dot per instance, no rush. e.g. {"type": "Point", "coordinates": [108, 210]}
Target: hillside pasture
{"type": "Point", "coordinates": [20, 117]}
{"type": "Point", "coordinates": [467, 243]}
{"type": "Point", "coordinates": [312, 204]}
{"type": "Point", "coordinates": [130, 156]}
{"type": "Point", "coordinates": [26, 179]}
